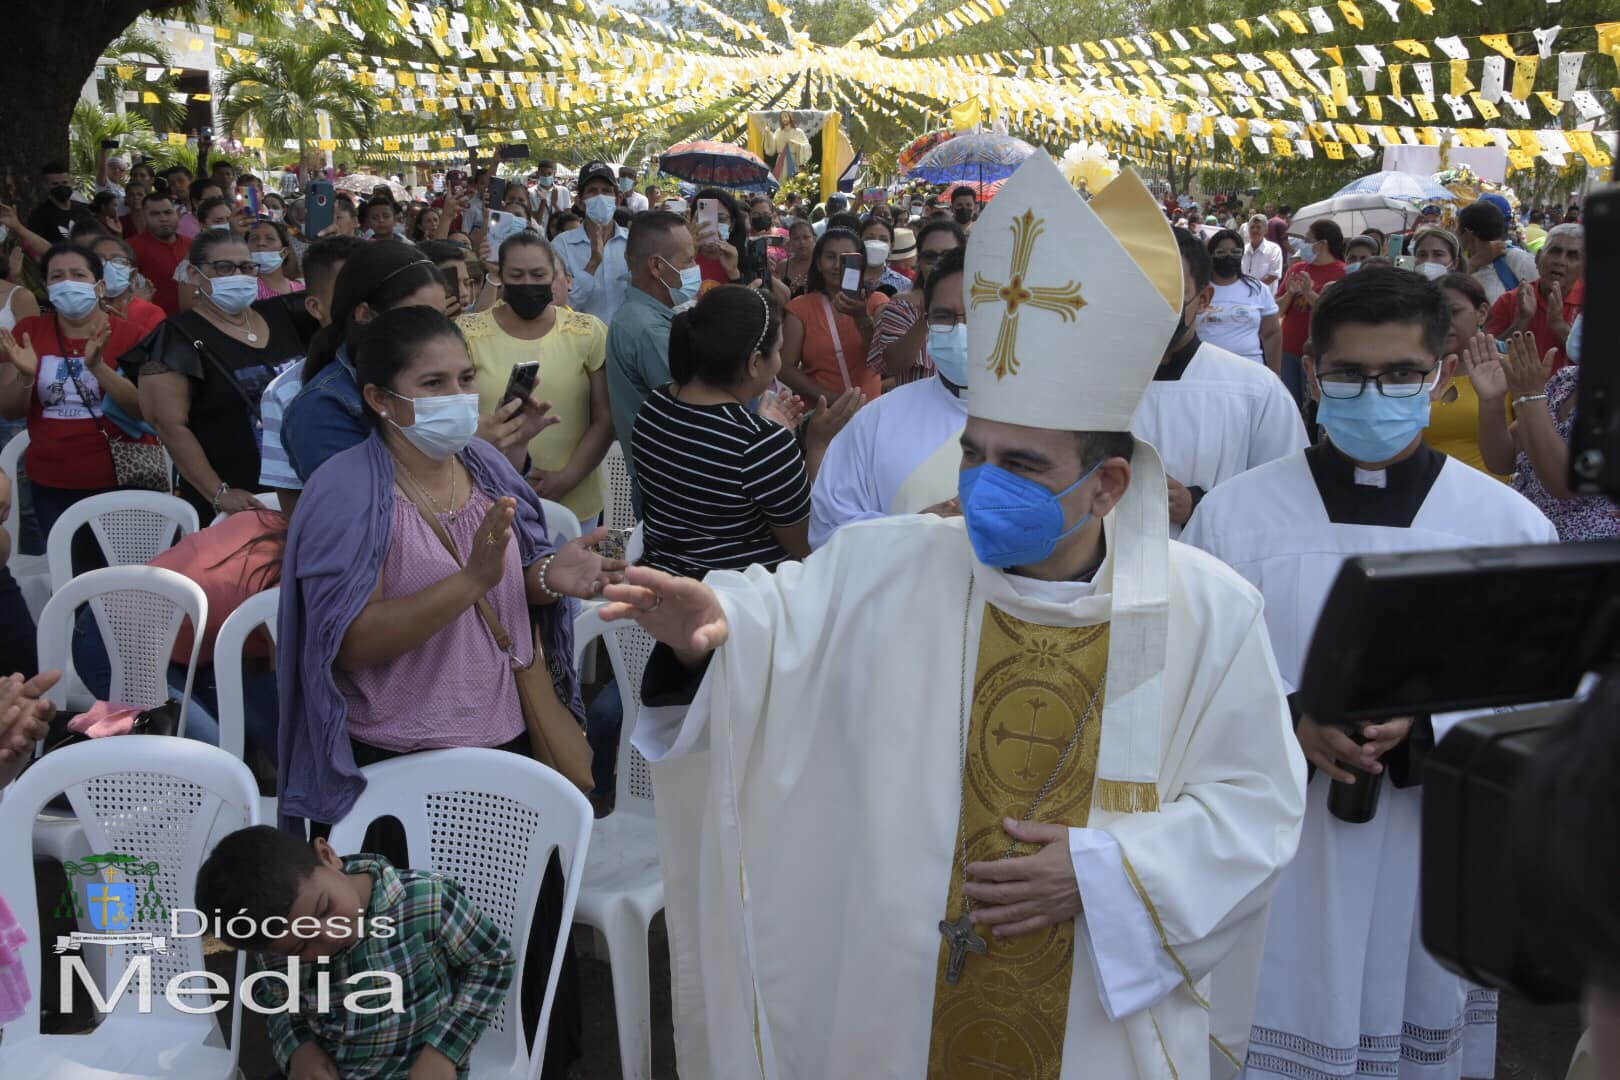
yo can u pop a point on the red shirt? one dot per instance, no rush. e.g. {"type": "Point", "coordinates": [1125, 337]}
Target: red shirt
{"type": "Point", "coordinates": [1506, 309]}
{"type": "Point", "coordinates": [145, 315]}
{"type": "Point", "coordinates": [157, 261]}
{"type": "Point", "coordinates": [1297, 323]}
{"type": "Point", "coordinates": [66, 447]}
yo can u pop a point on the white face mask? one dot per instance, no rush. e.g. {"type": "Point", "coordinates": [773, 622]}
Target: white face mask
{"type": "Point", "coordinates": [1432, 270]}
{"type": "Point", "coordinates": [444, 425]}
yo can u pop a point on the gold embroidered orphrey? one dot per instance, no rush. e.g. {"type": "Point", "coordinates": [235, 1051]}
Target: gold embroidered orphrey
{"type": "Point", "coordinates": [1017, 294]}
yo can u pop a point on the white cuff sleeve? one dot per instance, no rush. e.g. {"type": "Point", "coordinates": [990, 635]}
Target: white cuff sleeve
{"type": "Point", "coordinates": [664, 733]}
{"type": "Point", "coordinates": [1133, 968]}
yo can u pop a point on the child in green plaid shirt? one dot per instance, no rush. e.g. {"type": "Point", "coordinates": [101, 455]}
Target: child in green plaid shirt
{"type": "Point", "coordinates": [306, 903]}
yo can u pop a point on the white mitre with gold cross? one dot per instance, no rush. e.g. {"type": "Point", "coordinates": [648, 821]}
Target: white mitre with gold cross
{"type": "Point", "coordinates": [1070, 306]}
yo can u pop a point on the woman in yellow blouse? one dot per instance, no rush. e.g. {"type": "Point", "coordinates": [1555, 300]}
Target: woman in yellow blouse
{"type": "Point", "coordinates": [572, 349]}
{"type": "Point", "coordinates": [1454, 419]}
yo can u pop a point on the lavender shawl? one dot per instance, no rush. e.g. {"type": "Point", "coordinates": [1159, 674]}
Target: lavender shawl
{"type": "Point", "coordinates": [335, 548]}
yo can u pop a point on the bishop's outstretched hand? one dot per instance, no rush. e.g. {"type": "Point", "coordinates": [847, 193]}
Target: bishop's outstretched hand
{"type": "Point", "coordinates": [681, 612]}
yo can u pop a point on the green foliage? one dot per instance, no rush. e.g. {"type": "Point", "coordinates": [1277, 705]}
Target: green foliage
{"type": "Point", "coordinates": [279, 95]}
{"type": "Point", "coordinates": [141, 51]}
{"type": "Point", "coordinates": [91, 124]}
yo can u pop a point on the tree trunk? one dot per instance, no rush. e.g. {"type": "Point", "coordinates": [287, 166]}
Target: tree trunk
{"type": "Point", "coordinates": [65, 39]}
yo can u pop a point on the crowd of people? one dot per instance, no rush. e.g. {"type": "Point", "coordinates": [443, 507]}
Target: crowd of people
{"type": "Point", "coordinates": [773, 374]}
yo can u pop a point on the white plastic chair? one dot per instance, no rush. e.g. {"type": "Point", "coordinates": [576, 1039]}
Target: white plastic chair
{"type": "Point", "coordinates": [624, 884]}
{"type": "Point", "coordinates": [620, 512]}
{"type": "Point", "coordinates": [166, 802]}
{"type": "Point", "coordinates": [561, 520]}
{"type": "Point", "coordinates": [139, 610]}
{"type": "Point", "coordinates": [256, 611]}
{"type": "Point", "coordinates": [22, 566]}
{"type": "Point", "coordinates": [269, 499]}
{"type": "Point", "coordinates": [130, 526]}
{"type": "Point", "coordinates": [490, 819]}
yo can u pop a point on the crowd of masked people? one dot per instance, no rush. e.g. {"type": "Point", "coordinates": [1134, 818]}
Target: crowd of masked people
{"type": "Point", "coordinates": [363, 377]}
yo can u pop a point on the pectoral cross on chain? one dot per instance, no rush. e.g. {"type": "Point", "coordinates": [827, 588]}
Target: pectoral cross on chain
{"type": "Point", "coordinates": [1017, 294]}
{"type": "Point", "coordinates": [962, 939]}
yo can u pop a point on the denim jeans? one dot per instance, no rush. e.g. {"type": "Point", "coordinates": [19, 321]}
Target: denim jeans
{"type": "Point", "coordinates": [603, 722]}
{"type": "Point", "coordinates": [259, 700]}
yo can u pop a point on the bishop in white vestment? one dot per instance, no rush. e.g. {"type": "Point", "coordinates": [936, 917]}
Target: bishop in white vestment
{"type": "Point", "coordinates": [1346, 987]}
{"type": "Point", "coordinates": [928, 808]}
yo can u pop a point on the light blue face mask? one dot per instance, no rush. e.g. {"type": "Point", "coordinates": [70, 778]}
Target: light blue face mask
{"type": "Point", "coordinates": [1012, 521]}
{"type": "Point", "coordinates": [117, 277]}
{"type": "Point", "coordinates": [232, 293]}
{"type": "Point", "coordinates": [1371, 427]}
{"type": "Point", "coordinates": [691, 283]}
{"type": "Point", "coordinates": [600, 208]}
{"type": "Point", "coordinates": [75, 299]}
{"type": "Point", "coordinates": [948, 349]}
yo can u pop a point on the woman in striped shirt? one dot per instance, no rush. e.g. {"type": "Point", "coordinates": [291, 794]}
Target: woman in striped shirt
{"type": "Point", "coordinates": [723, 487]}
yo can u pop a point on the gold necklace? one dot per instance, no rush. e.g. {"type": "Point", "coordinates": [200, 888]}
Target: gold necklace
{"type": "Point", "coordinates": [958, 933]}
{"type": "Point", "coordinates": [437, 505]}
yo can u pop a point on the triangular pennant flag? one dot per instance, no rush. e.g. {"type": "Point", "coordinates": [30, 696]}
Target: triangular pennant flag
{"type": "Point", "coordinates": [1499, 42]}
{"type": "Point", "coordinates": [1545, 39]}
{"type": "Point", "coordinates": [1352, 14]}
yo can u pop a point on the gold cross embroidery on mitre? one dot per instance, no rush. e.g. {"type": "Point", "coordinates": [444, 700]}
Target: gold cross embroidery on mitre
{"type": "Point", "coordinates": [1017, 294]}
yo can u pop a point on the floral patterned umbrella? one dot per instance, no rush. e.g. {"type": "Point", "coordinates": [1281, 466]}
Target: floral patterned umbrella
{"type": "Point", "coordinates": [720, 164]}
{"type": "Point", "coordinates": [911, 155]}
{"type": "Point", "coordinates": [984, 156]}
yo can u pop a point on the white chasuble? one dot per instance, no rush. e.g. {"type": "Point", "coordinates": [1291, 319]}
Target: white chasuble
{"type": "Point", "coordinates": [869, 467]}
{"type": "Point", "coordinates": [1346, 988]}
{"type": "Point", "coordinates": [1212, 415]}
{"type": "Point", "coordinates": [810, 799]}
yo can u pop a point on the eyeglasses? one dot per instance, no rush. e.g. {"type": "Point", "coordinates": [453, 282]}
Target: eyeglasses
{"type": "Point", "coordinates": [225, 268]}
{"type": "Point", "coordinates": [945, 320]}
{"type": "Point", "coordinates": [1395, 383]}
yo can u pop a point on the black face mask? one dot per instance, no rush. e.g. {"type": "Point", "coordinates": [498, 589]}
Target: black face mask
{"type": "Point", "coordinates": [527, 301]}
{"type": "Point", "coordinates": [62, 192]}
{"type": "Point", "coordinates": [1228, 265]}
{"type": "Point", "coordinates": [962, 214]}
{"type": "Point", "coordinates": [760, 222]}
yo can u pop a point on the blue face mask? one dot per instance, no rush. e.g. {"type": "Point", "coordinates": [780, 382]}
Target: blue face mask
{"type": "Point", "coordinates": [117, 277]}
{"type": "Point", "coordinates": [1372, 428]}
{"type": "Point", "coordinates": [600, 208]}
{"type": "Point", "coordinates": [949, 351]}
{"type": "Point", "coordinates": [1012, 521]}
{"type": "Point", "coordinates": [687, 290]}
{"type": "Point", "coordinates": [75, 299]}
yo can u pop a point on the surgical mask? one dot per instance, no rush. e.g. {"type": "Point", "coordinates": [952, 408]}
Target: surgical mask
{"type": "Point", "coordinates": [1228, 266]}
{"type": "Point", "coordinates": [443, 426]}
{"type": "Point", "coordinates": [948, 348]}
{"type": "Point", "coordinates": [759, 222]}
{"type": "Point", "coordinates": [223, 226]}
{"type": "Point", "coordinates": [547, 181]}
{"type": "Point", "coordinates": [62, 192]}
{"type": "Point", "coordinates": [117, 277]}
{"type": "Point", "coordinates": [269, 261]}
{"type": "Point", "coordinates": [527, 301]}
{"type": "Point", "coordinates": [1372, 427]}
{"type": "Point", "coordinates": [75, 299]}
{"type": "Point", "coordinates": [691, 283]}
{"type": "Point", "coordinates": [232, 293]}
{"type": "Point", "coordinates": [1432, 270]}
{"type": "Point", "coordinates": [626, 184]}
{"type": "Point", "coordinates": [1011, 520]}
{"type": "Point", "coordinates": [1351, 268]}
{"type": "Point", "coordinates": [600, 208]}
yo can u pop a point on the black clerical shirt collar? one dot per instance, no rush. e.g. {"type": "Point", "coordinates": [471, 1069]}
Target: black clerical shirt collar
{"type": "Point", "coordinates": [955, 391]}
{"type": "Point", "coordinates": [1174, 368]}
{"type": "Point", "coordinates": [1351, 501]}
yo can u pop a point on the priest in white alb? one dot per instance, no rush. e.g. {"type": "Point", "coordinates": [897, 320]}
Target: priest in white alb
{"type": "Point", "coordinates": [1346, 988]}
{"type": "Point", "coordinates": [900, 454]}
{"type": "Point", "coordinates": [990, 795]}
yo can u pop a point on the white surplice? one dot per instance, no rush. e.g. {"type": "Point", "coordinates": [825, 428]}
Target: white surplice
{"type": "Point", "coordinates": [809, 799]}
{"type": "Point", "coordinates": [1346, 988]}
{"type": "Point", "coordinates": [869, 461]}
{"type": "Point", "coordinates": [1223, 416]}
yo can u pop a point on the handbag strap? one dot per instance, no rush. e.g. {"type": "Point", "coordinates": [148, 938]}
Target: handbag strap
{"type": "Point", "coordinates": [208, 355]}
{"type": "Point", "coordinates": [414, 492]}
{"type": "Point", "coordinates": [838, 342]}
{"type": "Point", "coordinates": [98, 415]}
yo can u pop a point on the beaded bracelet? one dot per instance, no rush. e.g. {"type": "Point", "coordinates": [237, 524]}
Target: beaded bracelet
{"type": "Point", "coordinates": [545, 587]}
